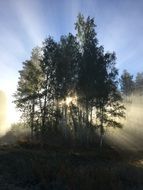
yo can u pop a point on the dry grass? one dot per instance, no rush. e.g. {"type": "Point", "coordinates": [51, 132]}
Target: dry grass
{"type": "Point", "coordinates": [28, 166]}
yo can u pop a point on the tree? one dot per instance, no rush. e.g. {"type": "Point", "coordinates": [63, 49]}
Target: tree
{"type": "Point", "coordinates": [70, 57]}
{"type": "Point", "coordinates": [73, 80]}
{"type": "Point", "coordinates": [108, 98]}
{"type": "Point", "coordinates": [29, 87]}
{"type": "Point", "coordinates": [126, 83]}
{"type": "Point", "coordinates": [87, 67]}
{"type": "Point", "coordinates": [98, 77]}
{"type": "Point", "coordinates": [139, 83]}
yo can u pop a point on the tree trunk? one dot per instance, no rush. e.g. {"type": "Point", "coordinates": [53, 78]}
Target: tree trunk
{"type": "Point", "coordinates": [101, 128]}
{"type": "Point", "coordinates": [32, 119]}
{"type": "Point", "coordinates": [57, 112]}
{"type": "Point", "coordinates": [91, 115]}
{"type": "Point", "coordinates": [87, 113]}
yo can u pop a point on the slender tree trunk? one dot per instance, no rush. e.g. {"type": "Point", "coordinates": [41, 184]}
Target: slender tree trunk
{"type": "Point", "coordinates": [91, 115]}
{"type": "Point", "coordinates": [80, 118]}
{"type": "Point", "coordinates": [101, 128]}
{"type": "Point", "coordinates": [87, 113]}
{"type": "Point", "coordinates": [66, 114]}
{"type": "Point", "coordinates": [73, 119]}
{"type": "Point", "coordinates": [43, 118]}
{"type": "Point", "coordinates": [57, 112]}
{"type": "Point", "coordinates": [32, 118]}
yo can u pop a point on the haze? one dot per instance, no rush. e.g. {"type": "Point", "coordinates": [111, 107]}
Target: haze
{"type": "Point", "coordinates": [25, 24]}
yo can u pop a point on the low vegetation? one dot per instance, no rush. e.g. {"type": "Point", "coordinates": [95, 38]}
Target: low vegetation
{"type": "Point", "coordinates": [27, 166]}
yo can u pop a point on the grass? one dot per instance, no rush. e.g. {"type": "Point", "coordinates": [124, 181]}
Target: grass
{"type": "Point", "coordinates": [27, 166]}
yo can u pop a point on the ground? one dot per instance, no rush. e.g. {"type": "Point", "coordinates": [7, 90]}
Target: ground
{"type": "Point", "coordinates": [26, 167]}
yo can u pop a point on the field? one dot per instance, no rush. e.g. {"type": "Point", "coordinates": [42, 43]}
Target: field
{"type": "Point", "coordinates": [27, 166]}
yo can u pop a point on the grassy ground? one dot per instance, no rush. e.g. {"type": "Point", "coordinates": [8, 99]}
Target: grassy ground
{"type": "Point", "coordinates": [28, 167]}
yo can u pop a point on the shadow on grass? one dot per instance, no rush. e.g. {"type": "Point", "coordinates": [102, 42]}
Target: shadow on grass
{"type": "Point", "coordinates": [28, 165]}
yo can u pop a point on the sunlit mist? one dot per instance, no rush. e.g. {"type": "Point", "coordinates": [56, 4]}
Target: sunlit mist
{"type": "Point", "coordinates": [131, 135]}
{"type": "Point", "coordinates": [8, 114]}
{"type": "Point", "coordinates": [3, 113]}
{"type": "Point", "coordinates": [69, 100]}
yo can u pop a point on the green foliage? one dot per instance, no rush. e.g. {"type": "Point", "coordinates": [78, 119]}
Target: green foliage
{"type": "Point", "coordinates": [127, 83]}
{"type": "Point", "coordinates": [131, 86]}
{"type": "Point", "coordinates": [66, 84]}
{"type": "Point", "coordinates": [139, 83]}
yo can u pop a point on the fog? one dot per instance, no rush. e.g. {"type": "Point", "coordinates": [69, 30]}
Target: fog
{"type": "Point", "coordinates": [131, 135]}
{"type": "Point", "coordinates": [4, 125]}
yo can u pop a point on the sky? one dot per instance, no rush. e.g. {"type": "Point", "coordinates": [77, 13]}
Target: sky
{"type": "Point", "coordinates": [24, 24]}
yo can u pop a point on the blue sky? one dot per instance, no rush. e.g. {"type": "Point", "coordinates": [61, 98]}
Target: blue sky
{"type": "Point", "coordinates": [24, 24]}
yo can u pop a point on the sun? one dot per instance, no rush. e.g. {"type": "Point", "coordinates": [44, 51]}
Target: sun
{"type": "Point", "coordinates": [71, 99]}
{"type": "Point", "coordinates": [68, 100]}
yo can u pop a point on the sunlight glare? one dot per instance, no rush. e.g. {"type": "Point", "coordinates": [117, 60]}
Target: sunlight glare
{"type": "Point", "coordinates": [130, 136]}
{"type": "Point", "coordinates": [69, 100]}
{"type": "Point", "coordinates": [8, 113]}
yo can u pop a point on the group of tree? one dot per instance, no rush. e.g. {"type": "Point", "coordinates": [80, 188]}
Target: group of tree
{"type": "Point", "coordinates": [70, 87]}
{"type": "Point", "coordinates": [129, 85]}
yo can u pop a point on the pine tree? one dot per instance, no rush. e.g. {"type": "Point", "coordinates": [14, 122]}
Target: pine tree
{"type": "Point", "coordinates": [72, 80]}
{"type": "Point", "coordinates": [29, 87]}
{"type": "Point", "coordinates": [98, 78]}
{"type": "Point", "coordinates": [127, 83]}
{"type": "Point", "coordinates": [139, 83]}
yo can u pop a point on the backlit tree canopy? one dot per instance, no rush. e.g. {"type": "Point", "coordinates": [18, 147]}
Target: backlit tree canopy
{"type": "Point", "coordinates": [70, 86]}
